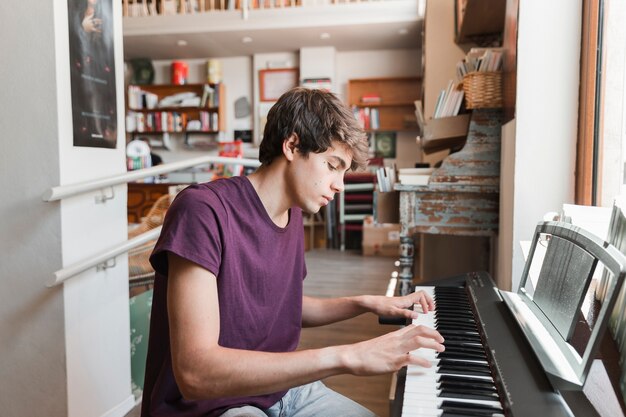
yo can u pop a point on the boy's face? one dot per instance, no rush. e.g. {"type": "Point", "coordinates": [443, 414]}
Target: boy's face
{"type": "Point", "coordinates": [317, 177]}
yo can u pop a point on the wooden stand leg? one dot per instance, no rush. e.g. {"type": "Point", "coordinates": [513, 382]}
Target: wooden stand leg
{"type": "Point", "coordinates": [407, 253]}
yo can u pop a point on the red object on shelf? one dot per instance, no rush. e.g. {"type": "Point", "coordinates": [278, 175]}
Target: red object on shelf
{"type": "Point", "coordinates": [180, 72]}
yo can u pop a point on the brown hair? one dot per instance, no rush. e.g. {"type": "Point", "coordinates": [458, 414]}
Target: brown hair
{"type": "Point", "coordinates": [318, 118]}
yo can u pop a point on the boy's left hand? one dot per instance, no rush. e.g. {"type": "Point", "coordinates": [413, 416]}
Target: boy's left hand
{"type": "Point", "coordinates": [399, 306]}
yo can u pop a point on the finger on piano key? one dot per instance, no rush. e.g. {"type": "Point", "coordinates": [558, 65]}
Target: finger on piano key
{"type": "Point", "coordinates": [416, 373]}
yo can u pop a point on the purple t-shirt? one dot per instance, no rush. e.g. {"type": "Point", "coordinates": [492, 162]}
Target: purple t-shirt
{"type": "Point", "coordinates": [223, 227]}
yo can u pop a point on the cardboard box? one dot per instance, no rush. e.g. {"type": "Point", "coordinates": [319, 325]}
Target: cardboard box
{"type": "Point", "coordinates": [381, 239]}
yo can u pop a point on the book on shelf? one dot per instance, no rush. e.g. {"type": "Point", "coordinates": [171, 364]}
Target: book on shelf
{"type": "Point", "coordinates": [449, 101]}
{"type": "Point", "coordinates": [419, 114]}
{"type": "Point", "coordinates": [367, 117]}
{"type": "Point", "coordinates": [318, 83]}
{"type": "Point", "coordinates": [371, 99]}
{"type": "Point", "coordinates": [208, 94]}
{"type": "Point", "coordinates": [386, 177]}
{"type": "Point", "coordinates": [481, 60]}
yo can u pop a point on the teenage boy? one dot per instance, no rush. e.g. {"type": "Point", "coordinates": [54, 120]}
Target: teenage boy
{"type": "Point", "coordinates": [228, 302]}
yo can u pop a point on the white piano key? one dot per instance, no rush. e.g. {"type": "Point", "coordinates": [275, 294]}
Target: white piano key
{"type": "Point", "coordinates": [421, 386]}
{"type": "Point", "coordinates": [426, 400]}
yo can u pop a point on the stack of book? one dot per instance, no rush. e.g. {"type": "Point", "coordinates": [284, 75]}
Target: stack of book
{"type": "Point", "coordinates": [481, 60]}
{"type": "Point", "coordinates": [368, 117]}
{"type": "Point", "coordinates": [386, 177]}
{"type": "Point", "coordinates": [449, 101]}
{"type": "Point", "coordinates": [370, 99]}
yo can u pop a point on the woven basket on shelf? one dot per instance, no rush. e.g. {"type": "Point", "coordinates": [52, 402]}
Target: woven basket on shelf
{"type": "Point", "coordinates": [483, 90]}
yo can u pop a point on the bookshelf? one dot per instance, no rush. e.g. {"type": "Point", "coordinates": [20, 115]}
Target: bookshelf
{"type": "Point", "coordinates": [479, 21]}
{"type": "Point", "coordinates": [146, 113]}
{"type": "Point", "coordinates": [355, 202]}
{"type": "Point", "coordinates": [389, 100]}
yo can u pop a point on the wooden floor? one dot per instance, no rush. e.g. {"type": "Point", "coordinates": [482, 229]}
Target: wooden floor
{"type": "Point", "coordinates": [332, 273]}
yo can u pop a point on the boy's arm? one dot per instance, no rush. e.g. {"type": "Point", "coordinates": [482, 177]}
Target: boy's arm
{"type": "Point", "coordinates": [203, 369]}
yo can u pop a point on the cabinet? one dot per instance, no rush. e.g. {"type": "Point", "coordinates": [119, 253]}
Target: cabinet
{"type": "Point", "coordinates": [142, 196]}
{"type": "Point", "coordinates": [385, 103]}
{"type": "Point", "coordinates": [199, 108]}
{"type": "Point", "coordinates": [479, 21]}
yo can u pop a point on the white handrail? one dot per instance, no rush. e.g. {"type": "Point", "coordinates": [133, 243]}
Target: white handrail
{"type": "Point", "coordinates": [78, 267]}
{"type": "Point", "coordinates": [63, 191]}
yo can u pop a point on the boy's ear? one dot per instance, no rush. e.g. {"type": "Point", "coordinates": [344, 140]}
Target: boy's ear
{"type": "Point", "coordinates": [290, 146]}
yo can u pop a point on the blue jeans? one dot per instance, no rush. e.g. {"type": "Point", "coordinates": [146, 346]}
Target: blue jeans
{"type": "Point", "coordinates": [311, 400]}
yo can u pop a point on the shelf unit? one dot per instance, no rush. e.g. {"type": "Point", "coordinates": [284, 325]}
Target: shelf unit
{"type": "Point", "coordinates": [215, 110]}
{"type": "Point", "coordinates": [355, 202]}
{"type": "Point", "coordinates": [396, 106]}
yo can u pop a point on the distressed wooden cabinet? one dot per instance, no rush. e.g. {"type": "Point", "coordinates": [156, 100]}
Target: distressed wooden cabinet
{"type": "Point", "coordinates": [462, 196]}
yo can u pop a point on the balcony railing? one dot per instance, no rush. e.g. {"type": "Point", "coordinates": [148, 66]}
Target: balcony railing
{"type": "Point", "coordinates": [140, 8]}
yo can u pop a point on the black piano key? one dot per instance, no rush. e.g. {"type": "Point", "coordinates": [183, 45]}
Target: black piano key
{"type": "Point", "coordinates": [449, 304]}
{"type": "Point", "coordinates": [467, 333]}
{"type": "Point", "coordinates": [456, 326]}
{"type": "Point", "coordinates": [448, 414]}
{"type": "Point", "coordinates": [469, 408]}
{"type": "Point", "coordinates": [460, 361]}
{"type": "Point", "coordinates": [463, 370]}
{"type": "Point", "coordinates": [458, 353]}
{"type": "Point", "coordinates": [471, 351]}
{"type": "Point", "coordinates": [465, 380]}
{"type": "Point", "coordinates": [468, 395]}
{"type": "Point", "coordinates": [439, 313]}
{"type": "Point", "coordinates": [469, 414]}
{"type": "Point", "coordinates": [463, 345]}
{"type": "Point", "coordinates": [456, 320]}
{"type": "Point", "coordinates": [461, 355]}
{"type": "Point", "coordinates": [464, 348]}
{"type": "Point", "coordinates": [460, 338]}
{"type": "Point", "coordinates": [465, 387]}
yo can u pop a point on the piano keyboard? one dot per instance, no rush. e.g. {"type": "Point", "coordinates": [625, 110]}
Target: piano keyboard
{"type": "Point", "coordinates": [460, 382]}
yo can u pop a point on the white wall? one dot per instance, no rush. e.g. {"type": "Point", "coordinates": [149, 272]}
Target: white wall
{"type": "Point", "coordinates": [548, 60]}
{"type": "Point", "coordinates": [441, 56]}
{"type": "Point", "coordinates": [507, 192]}
{"type": "Point", "coordinates": [66, 349]}
{"type": "Point", "coordinates": [265, 61]}
{"type": "Point", "coordinates": [319, 62]}
{"type": "Point", "coordinates": [32, 351]}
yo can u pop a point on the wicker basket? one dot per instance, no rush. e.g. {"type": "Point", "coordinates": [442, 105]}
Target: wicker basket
{"type": "Point", "coordinates": [483, 90]}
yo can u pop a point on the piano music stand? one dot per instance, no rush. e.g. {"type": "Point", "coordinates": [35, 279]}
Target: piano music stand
{"type": "Point", "coordinates": [547, 318]}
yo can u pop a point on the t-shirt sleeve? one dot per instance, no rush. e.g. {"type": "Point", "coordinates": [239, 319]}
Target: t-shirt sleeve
{"type": "Point", "coordinates": [192, 229]}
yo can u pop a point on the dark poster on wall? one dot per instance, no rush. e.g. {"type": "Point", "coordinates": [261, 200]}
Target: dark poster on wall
{"type": "Point", "coordinates": [92, 71]}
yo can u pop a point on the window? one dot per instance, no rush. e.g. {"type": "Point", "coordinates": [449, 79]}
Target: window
{"type": "Point", "coordinates": [602, 125]}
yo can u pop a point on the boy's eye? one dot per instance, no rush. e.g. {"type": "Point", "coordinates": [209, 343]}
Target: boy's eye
{"type": "Point", "coordinates": [331, 167]}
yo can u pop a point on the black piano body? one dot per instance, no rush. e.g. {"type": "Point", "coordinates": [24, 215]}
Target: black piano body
{"type": "Point", "coordinates": [526, 381]}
